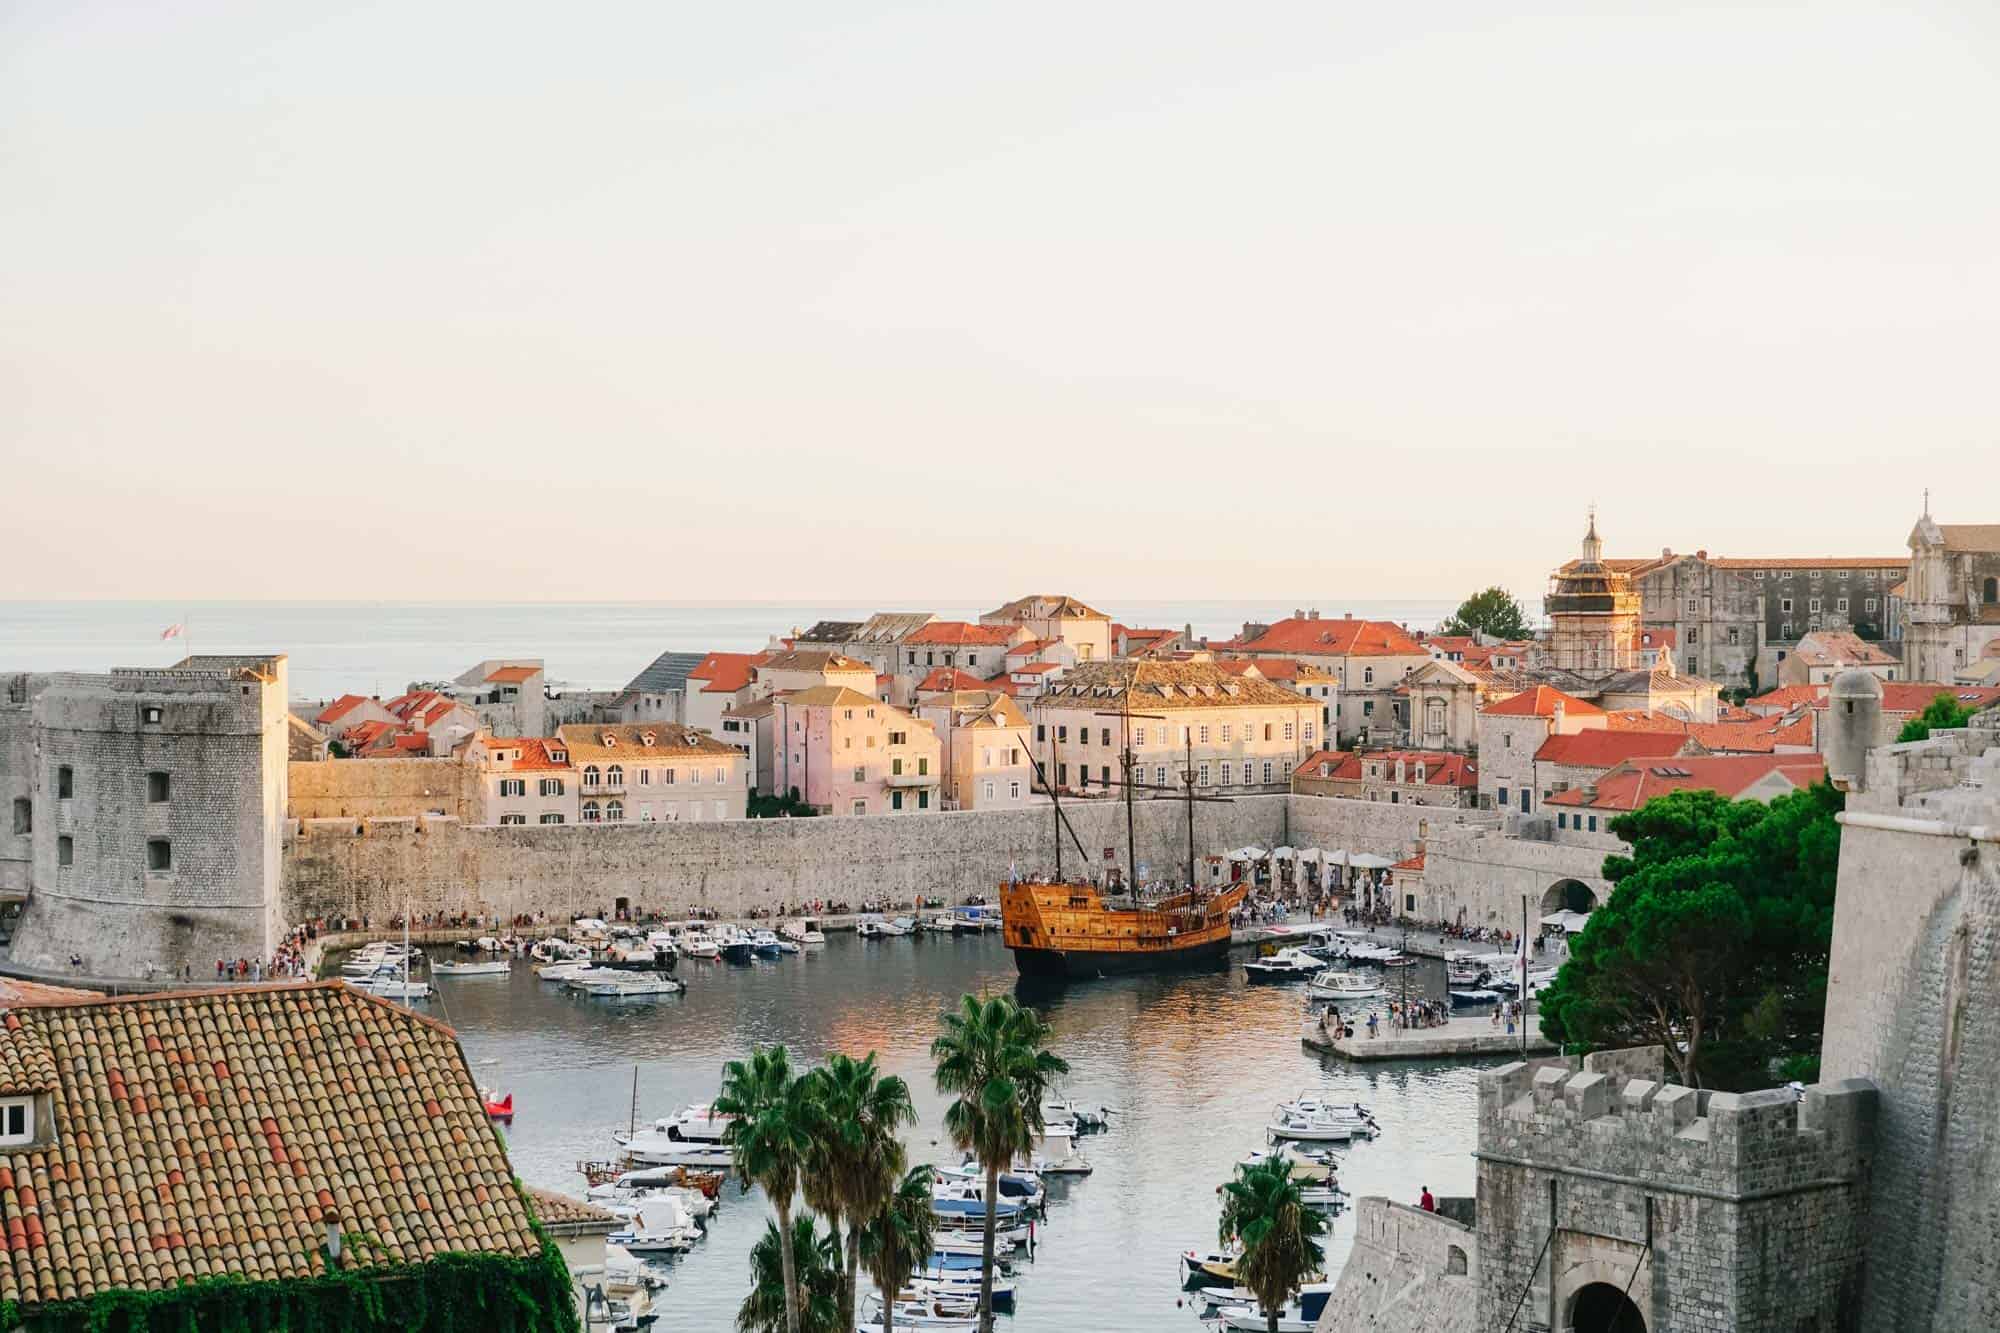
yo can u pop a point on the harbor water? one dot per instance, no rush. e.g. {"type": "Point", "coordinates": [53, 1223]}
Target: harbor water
{"type": "Point", "coordinates": [1192, 1065]}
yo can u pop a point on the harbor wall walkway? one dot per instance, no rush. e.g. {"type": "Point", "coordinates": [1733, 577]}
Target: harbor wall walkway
{"type": "Point", "coordinates": [1409, 1272]}
{"type": "Point", "coordinates": [378, 868]}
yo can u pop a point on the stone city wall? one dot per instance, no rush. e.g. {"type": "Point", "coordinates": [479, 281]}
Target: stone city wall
{"type": "Point", "coordinates": [1482, 873]}
{"type": "Point", "coordinates": [384, 789]}
{"type": "Point", "coordinates": [348, 867]}
{"type": "Point", "coordinates": [1409, 1272]}
{"type": "Point", "coordinates": [1913, 1003]}
{"type": "Point", "coordinates": [1715, 1211]}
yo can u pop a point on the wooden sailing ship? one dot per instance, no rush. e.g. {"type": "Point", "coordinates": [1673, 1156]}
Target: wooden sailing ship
{"type": "Point", "coordinates": [1064, 927]}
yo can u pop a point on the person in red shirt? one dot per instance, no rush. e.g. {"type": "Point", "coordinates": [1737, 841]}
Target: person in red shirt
{"type": "Point", "coordinates": [1429, 1204]}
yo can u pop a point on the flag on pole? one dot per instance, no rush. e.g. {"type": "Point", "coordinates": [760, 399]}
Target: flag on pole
{"type": "Point", "coordinates": [172, 632]}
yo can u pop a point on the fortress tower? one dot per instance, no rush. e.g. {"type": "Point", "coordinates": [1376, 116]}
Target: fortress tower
{"type": "Point", "coordinates": [147, 814]}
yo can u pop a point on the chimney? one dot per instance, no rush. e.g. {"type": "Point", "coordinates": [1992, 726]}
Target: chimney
{"type": "Point", "coordinates": [1666, 553]}
{"type": "Point", "coordinates": [1701, 555]}
{"type": "Point", "coordinates": [1347, 615]}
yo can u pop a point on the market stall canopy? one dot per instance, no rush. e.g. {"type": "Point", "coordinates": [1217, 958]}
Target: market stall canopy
{"type": "Point", "coordinates": [1571, 922]}
{"type": "Point", "coordinates": [1247, 854]}
{"type": "Point", "coordinates": [1368, 861]}
{"type": "Point", "coordinates": [1283, 854]}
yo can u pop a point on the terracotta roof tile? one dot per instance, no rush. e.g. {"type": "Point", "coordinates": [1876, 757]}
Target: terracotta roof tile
{"type": "Point", "coordinates": [1153, 685]}
{"type": "Point", "coordinates": [959, 632]}
{"type": "Point", "coordinates": [950, 678]}
{"type": "Point", "coordinates": [1600, 747]}
{"type": "Point", "coordinates": [1541, 701]}
{"type": "Point", "coordinates": [1336, 638]}
{"type": "Point", "coordinates": [725, 673]}
{"type": "Point", "coordinates": [512, 675]}
{"type": "Point", "coordinates": [627, 742]}
{"type": "Point", "coordinates": [1632, 784]}
{"type": "Point", "coordinates": [340, 708]}
{"type": "Point", "coordinates": [208, 1133]}
{"type": "Point", "coordinates": [1442, 768]}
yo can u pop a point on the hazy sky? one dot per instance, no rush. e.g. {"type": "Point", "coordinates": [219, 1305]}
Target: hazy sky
{"type": "Point", "coordinates": [916, 301]}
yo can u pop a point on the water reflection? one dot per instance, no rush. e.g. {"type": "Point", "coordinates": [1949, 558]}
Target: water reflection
{"type": "Point", "coordinates": [1194, 1064]}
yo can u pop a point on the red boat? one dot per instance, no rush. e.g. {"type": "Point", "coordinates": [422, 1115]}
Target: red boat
{"type": "Point", "coordinates": [498, 1107]}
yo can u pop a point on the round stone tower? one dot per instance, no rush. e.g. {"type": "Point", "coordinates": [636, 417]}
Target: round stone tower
{"type": "Point", "coordinates": [1853, 720]}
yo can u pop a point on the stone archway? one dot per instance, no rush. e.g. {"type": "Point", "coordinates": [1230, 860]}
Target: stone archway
{"type": "Point", "coordinates": [1599, 1307]}
{"type": "Point", "coordinates": [1568, 895]}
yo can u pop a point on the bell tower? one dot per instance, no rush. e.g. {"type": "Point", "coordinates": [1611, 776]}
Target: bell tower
{"type": "Point", "coordinates": [1593, 612]}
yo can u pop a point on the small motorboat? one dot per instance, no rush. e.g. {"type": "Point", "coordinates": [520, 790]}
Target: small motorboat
{"type": "Point", "coordinates": [805, 930]}
{"type": "Point", "coordinates": [938, 925]}
{"type": "Point", "coordinates": [1378, 954]}
{"type": "Point", "coordinates": [932, 1312]}
{"type": "Point", "coordinates": [695, 1122]}
{"type": "Point", "coordinates": [766, 945]}
{"type": "Point", "coordinates": [1212, 1268]}
{"type": "Point", "coordinates": [955, 1199]}
{"type": "Point", "coordinates": [698, 943]}
{"type": "Point", "coordinates": [486, 967]}
{"type": "Point", "coordinates": [1309, 1166]}
{"type": "Point", "coordinates": [1284, 965]}
{"type": "Point", "coordinates": [497, 1107]}
{"type": "Point", "coordinates": [969, 1242]}
{"type": "Point", "coordinates": [1024, 1188]}
{"type": "Point", "coordinates": [623, 985]}
{"type": "Point", "coordinates": [1318, 1126]}
{"type": "Point", "coordinates": [871, 928]}
{"type": "Point", "coordinates": [965, 1286]}
{"type": "Point", "coordinates": [1300, 1315]}
{"type": "Point", "coordinates": [661, 1228]}
{"type": "Point", "coordinates": [1473, 999]}
{"type": "Point", "coordinates": [734, 945]}
{"type": "Point", "coordinates": [901, 925]}
{"type": "Point", "coordinates": [1080, 1118]}
{"type": "Point", "coordinates": [562, 971]}
{"type": "Point", "coordinates": [1333, 985]}
{"type": "Point", "coordinates": [389, 983]}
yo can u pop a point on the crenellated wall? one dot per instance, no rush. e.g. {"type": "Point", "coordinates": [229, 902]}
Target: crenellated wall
{"type": "Point", "coordinates": [1715, 1211]}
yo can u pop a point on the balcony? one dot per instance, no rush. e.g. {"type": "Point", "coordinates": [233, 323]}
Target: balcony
{"type": "Point", "coordinates": [911, 779]}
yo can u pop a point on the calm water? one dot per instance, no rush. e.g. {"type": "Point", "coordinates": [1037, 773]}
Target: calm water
{"type": "Point", "coordinates": [1195, 1062]}
{"type": "Point", "coordinates": [380, 647]}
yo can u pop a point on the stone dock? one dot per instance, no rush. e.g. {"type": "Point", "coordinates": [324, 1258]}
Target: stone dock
{"type": "Point", "coordinates": [1458, 1037]}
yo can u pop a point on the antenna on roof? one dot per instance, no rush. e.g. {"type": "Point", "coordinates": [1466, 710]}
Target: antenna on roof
{"type": "Point", "coordinates": [1927, 502]}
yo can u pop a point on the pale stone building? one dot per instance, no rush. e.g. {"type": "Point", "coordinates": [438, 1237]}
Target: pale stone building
{"type": "Point", "coordinates": [646, 773]}
{"type": "Point", "coordinates": [1399, 777]}
{"type": "Point", "coordinates": [1593, 612]}
{"type": "Point", "coordinates": [980, 651]}
{"type": "Point", "coordinates": [1512, 731]}
{"type": "Point", "coordinates": [1058, 616]}
{"type": "Point", "coordinates": [1951, 604]}
{"type": "Point", "coordinates": [984, 738]}
{"type": "Point", "coordinates": [1368, 659]}
{"type": "Point", "coordinates": [659, 692]}
{"type": "Point", "coordinates": [715, 685]}
{"type": "Point", "coordinates": [524, 780]}
{"type": "Point", "coordinates": [805, 669]}
{"type": "Point", "coordinates": [1444, 698]}
{"type": "Point", "coordinates": [848, 753]}
{"type": "Point", "coordinates": [506, 694]}
{"type": "Point", "coordinates": [1823, 654]}
{"type": "Point", "coordinates": [336, 719]}
{"type": "Point", "coordinates": [1239, 732]}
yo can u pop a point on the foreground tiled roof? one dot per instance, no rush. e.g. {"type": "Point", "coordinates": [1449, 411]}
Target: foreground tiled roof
{"type": "Point", "coordinates": [564, 1215]}
{"type": "Point", "coordinates": [1044, 606]}
{"type": "Point", "coordinates": [213, 1132]}
{"type": "Point", "coordinates": [1913, 696]}
{"type": "Point", "coordinates": [1975, 537]}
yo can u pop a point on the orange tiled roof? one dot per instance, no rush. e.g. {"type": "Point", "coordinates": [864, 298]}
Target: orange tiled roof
{"type": "Point", "coordinates": [1541, 701]}
{"type": "Point", "coordinates": [950, 678]}
{"type": "Point", "coordinates": [1336, 638]}
{"type": "Point", "coordinates": [636, 742]}
{"type": "Point", "coordinates": [1600, 747]}
{"type": "Point", "coordinates": [1033, 668]}
{"type": "Point", "coordinates": [1838, 648]}
{"type": "Point", "coordinates": [367, 733]}
{"type": "Point", "coordinates": [1786, 697]}
{"type": "Point", "coordinates": [1413, 863]}
{"type": "Point", "coordinates": [340, 708]}
{"type": "Point", "coordinates": [725, 673]}
{"type": "Point", "coordinates": [1029, 647]}
{"type": "Point", "coordinates": [958, 632]}
{"type": "Point", "coordinates": [1914, 696]}
{"type": "Point", "coordinates": [1632, 784]}
{"type": "Point", "coordinates": [1442, 768]}
{"type": "Point", "coordinates": [514, 675]}
{"type": "Point", "coordinates": [205, 1133]}
{"type": "Point", "coordinates": [564, 1215]}
{"type": "Point", "coordinates": [534, 753]}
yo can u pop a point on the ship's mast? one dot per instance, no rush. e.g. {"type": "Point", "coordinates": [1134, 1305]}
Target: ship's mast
{"type": "Point", "coordinates": [1187, 779]}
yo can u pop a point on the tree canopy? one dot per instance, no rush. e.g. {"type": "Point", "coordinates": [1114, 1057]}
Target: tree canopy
{"type": "Point", "coordinates": [1714, 941]}
{"type": "Point", "coordinates": [1943, 713]}
{"type": "Point", "coordinates": [1493, 612]}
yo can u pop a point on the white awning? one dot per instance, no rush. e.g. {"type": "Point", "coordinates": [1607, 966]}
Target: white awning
{"type": "Point", "coordinates": [1571, 922]}
{"type": "Point", "coordinates": [1283, 854]}
{"type": "Point", "coordinates": [1368, 861]}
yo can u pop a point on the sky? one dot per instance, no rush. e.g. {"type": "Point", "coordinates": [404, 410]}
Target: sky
{"type": "Point", "coordinates": [878, 301]}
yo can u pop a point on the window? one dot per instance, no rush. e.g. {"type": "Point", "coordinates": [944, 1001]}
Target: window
{"type": "Point", "coordinates": [513, 819]}
{"type": "Point", "coordinates": [646, 774]}
{"type": "Point", "coordinates": [1991, 592]}
{"type": "Point", "coordinates": [552, 818]}
{"type": "Point", "coordinates": [591, 777]}
{"type": "Point", "coordinates": [1267, 770]}
{"type": "Point", "coordinates": [1758, 575]}
{"type": "Point", "coordinates": [1083, 774]}
{"type": "Point", "coordinates": [1786, 574]}
{"type": "Point", "coordinates": [65, 782]}
{"type": "Point", "coordinates": [923, 765]}
{"type": "Point", "coordinates": [1409, 902]}
{"type": "Point", "coordinates": [1083, 735]}
{"type": "Point", "coordinates": [1367, 675]}
{"type": "Point", "coordinates": [159, 854]}
{"type": "Point", "coordinates": [667, 776]}
{"type": "Point", "coordinates": [721, 775]}
{"type": "Point", "coordinates": [1785, 630]}
{"type": "Point", "coordinates": [860, 774]}
{"type": "Point", "coordinates": [1226, 729]}
{"type": "Point", "coordinates": [694, 775]}
{"type": "Point", "coordinates": [1062, 734]}
{"type": "Point", "coordinates": [861, 807]}
{"type": "Point", "coordinates": [513, 786]}
{"type": "Point", "coordinates": [1562, 820]}
{"type": "Point", "coordinates": [1288, 731]}
{"type": "Point", "coordinates": [986, 790]}
{"type": "Point", "coordinates": [1203, 777]}
{"type": "Point", "coordinates": [1840, 604]}
{"type": "Point", "coordinates": [1870, 603]}
{"type": "Point", "coordinates": [1525, 795]}
{"type": "Point", "coordinates": [1732, 636]}
{"type": "Point", "coordinates": [1309, 731]}
{"type": "Point", "coordinates": [151, 714]}
{"type": "Point", "coordinates": [923, 800]}
{"type": "Point", "coordinates": [24, 816]}
{"type": "Point", "coordinates": [1227, 770]}
{"type": "Point", "coordinates": [17, 1120]}
{"type": "Point", "coordinates": [1014, 791]}
{"type": "Point", "coordinates": [1815, 574]}
{"type": "Point", "coordinates": [1503, 796]}
{"type": "Point", "coordinates": [614, 811]}
{"type": "Point", "coordinates": [972, 659]}
{"type": "Point", "coordinates": [1812, 604]}
{"type": "Point", "coordinates": [551, 787]}
{"type": "Point", "coordinates": [1367, 708]}
{"type": "Point", "coordinates": [896, 767]}
{"type": "Point", "coordinates": [158, 786]}
{"type": "Point", "coordinates": [1694, 635]}
{"type": "Point", "coordinates": [1104, 737]}
{"type": "Point", "coordinates": [591, 814]}
{"type": "Point", "coordinates": [1041, 732]}
{"type": "Point", "coordinates": [895, 800]}
{"type": "Point", "coordinates": [1160, 775]}
{"type": "Point", "coordinates": [65, 850]}
{"type": "Point", "coordinates": [1593, 823]}
{"type": "Point", "coordinates": [614, 776]}
{"type": "Point", "coordinates": [1692, 668]}
{"type": "Point", "coordinates": [1785, 604]}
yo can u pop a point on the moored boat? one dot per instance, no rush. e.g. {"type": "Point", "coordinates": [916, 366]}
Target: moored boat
{"type": "Point", "coordinates": [1336, 985]}
{"type": "Point", "coordinates": [492, 967]}
{"type": "Point", "coordinates": [1071, 930]}
{"type": "Point", "coordinates": [1284, 965]}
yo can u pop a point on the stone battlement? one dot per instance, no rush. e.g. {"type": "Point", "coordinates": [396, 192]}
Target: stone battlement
{"type": "Point", "coordinates": [1954, 775]}
{"type": "Point", "coordinates": [1721, 1144]}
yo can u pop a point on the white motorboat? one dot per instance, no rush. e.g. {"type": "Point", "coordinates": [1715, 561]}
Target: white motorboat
{"type": "Point", "coordinates": [1300, 1315]}
{"type": "Point", "coordinates": [696, 942]}
{"type": "Point", "coordinates": [871, 928]}
{"type": "Point", "coordinates": [946, 1240]}
{"type": "Point", "coordinates": [631, 1203]}
{"type": "Point", "coordinates": [1016, 1187]}
{"type": "Point", "coordinates": [1080, 1118]}
{"type": "Point", "coordinates": [562, 971]}
{"type": "Point", "coordinates": [554, 950]}
{"type": "Point", "coordinates": [1284, 965]}
{"type": "Point", "coordinates": [1208, 1268]}
{"type": "Point", "coordinates": [371, 958]}
{"type": "Point", "coordinates": [1379, 954]}
{"type": "Point", "coordinates": [697, 1122]}
{"type": "Point", "coordinates": [490, 967]}
{"type": "Point", "coordinates": [934, 1312]}
{"type": "Point", "coordinates": [662, 1227]}
{"type": "Point", "coordinates": [1323, 1196]}
{"type": "Point", "coordinates": [733, 942]}
{"type": "Point", "coordinates": [1473, 998]}
{"type": "Point", "coordinates": [390, 984]}
{"type": "Point", "coordinates": [901, 925]}
{"type": "Point", "coordinates": [627, 985]}
{"type": "Point", "coordinates": [1333, 985]}
{"type": "Point", "coordinates": [964, 1285]}
{"type": "Point", "coordinates": [1314, 1101]}
{"type": "Point", "coordinates": [1318, 1126]}
{"type": "Point", "coordinates": [937, 925]}
{"type": "Point", "coordinates": [651, 1149]}
{"type": "Point", "coordinates": [1309, 1166]}
{"type": "Point", "coordinates": [805, 930]}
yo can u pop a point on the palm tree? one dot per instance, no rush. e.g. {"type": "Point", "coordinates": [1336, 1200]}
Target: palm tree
{"type": "Point", "coordinates": [817, 1261]}
{"type": "Point", "coordinates": [898, 1236]}
{"type": "Point", "coordinates": [769, 1136]}
{"type": "Point", "coordinates": [993, 1055]}
{"type": "Point", "coordinates": [856, 1158]}
{"type": "Point", "coordinates": [1262, 1211]}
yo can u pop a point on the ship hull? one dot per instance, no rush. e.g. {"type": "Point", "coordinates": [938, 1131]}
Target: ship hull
{"type": "Point", "coordinates": [1078, 964]}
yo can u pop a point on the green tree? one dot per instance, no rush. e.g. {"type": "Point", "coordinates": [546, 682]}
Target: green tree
{"type": "Point", "coordinates": [1263, 1212]}
{"type": "Point", "coordinates": [993, 1057]}
{"type": "Point", "coordinates": [1942, 713]}
{"type": "Point", "coordinates": [856, 1157]}
{"type": "Point", "coordinates": [1713, 944]}
{"type": "Point", "coordinates": [898, 1236]}
{"type": "Point", "coordinates": [814, 1267]}
{"type": "Point", "coordinates": [1493, 612]}
{"type": "Point", "coordinates": [769, 1137]}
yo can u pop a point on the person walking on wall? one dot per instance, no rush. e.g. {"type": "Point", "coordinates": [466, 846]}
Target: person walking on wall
{"type": "Point", "coordinates": [1427, 1203]}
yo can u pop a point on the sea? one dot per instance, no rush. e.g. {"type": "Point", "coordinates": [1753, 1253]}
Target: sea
{"type": "Point", "coordinates": [369, 647]}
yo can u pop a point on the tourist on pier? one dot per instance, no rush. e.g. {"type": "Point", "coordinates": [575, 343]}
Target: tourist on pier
{"type": "Point", "coordinates": [1371, 1023]}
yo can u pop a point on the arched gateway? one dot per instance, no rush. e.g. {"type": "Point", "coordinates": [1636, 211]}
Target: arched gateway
{"type": "Point", "coordinates": [1568, 895]}
{"type": "Point", "coordinates": [1603, 1308]}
